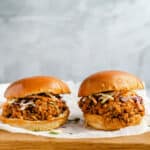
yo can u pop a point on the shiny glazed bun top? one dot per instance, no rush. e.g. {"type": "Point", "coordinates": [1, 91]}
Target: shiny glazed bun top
{"type": "Point", "coordinates": [35, 85]}
{"type": "Point", "coordinates": [109, 81]}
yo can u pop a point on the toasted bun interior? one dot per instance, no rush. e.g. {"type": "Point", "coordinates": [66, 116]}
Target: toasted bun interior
{"type": "Point", "coordinates": [34, 85]}
{"type": "Point", "coordinates": [109, 81]}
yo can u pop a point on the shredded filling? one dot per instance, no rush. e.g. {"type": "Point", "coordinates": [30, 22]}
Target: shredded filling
{"type": "Point", "coordinates": [43, 106]}
{"type": "Point", "coordinates": [122, 105]}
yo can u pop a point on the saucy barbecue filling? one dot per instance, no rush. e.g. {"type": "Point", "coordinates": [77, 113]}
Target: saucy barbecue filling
{"type": "Point", "coordinates": [121, 105]}
{"type": "Point", "coordinates": [43, 106]}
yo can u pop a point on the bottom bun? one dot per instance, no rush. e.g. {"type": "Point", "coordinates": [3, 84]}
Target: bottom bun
{"type": "Point", "coordinates": [37, 125]}
{"type": "Point", "coordinates": [99, 123]}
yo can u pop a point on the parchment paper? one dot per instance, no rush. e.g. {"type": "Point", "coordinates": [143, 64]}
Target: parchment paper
{"type": "Point", "coordinates": [76, 129]}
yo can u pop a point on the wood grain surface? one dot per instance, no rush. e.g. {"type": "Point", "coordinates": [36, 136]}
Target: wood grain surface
{"type": "Point", "coordinates": [11, 141]}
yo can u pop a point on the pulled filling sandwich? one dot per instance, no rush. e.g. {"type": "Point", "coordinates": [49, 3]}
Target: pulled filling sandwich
{"type": "Point", "coordinates": [109, 100]}
{"type": "Point", "coordinates": [35, 103]}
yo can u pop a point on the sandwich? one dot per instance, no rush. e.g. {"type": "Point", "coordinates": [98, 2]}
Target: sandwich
{"type": "Point", "coordinates": [35, 103]}
{"type": "Point", "coordinates": [109, 100]}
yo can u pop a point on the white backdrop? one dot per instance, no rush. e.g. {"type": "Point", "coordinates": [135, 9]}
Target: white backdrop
{"type": "Point", "coordinates": [73, 38]}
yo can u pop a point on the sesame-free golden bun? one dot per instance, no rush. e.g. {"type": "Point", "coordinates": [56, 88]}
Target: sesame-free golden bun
{"type": "Point", "coordinates": [109, 81]}
{"type": "Point", "coordinates": [35, 85]}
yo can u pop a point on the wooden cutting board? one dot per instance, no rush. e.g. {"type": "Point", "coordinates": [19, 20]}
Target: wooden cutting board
{"type": "Point", "coordinates": [11, 141]}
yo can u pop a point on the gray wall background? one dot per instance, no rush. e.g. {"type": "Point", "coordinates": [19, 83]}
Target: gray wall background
{"type": "Point", "coordinates": [73, 38]}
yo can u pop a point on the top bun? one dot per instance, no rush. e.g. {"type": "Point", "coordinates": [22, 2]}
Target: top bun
{"type": "Point", "coordinates": [34, 85]}
{"type": "Point", "coordinates": [109, 81]}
